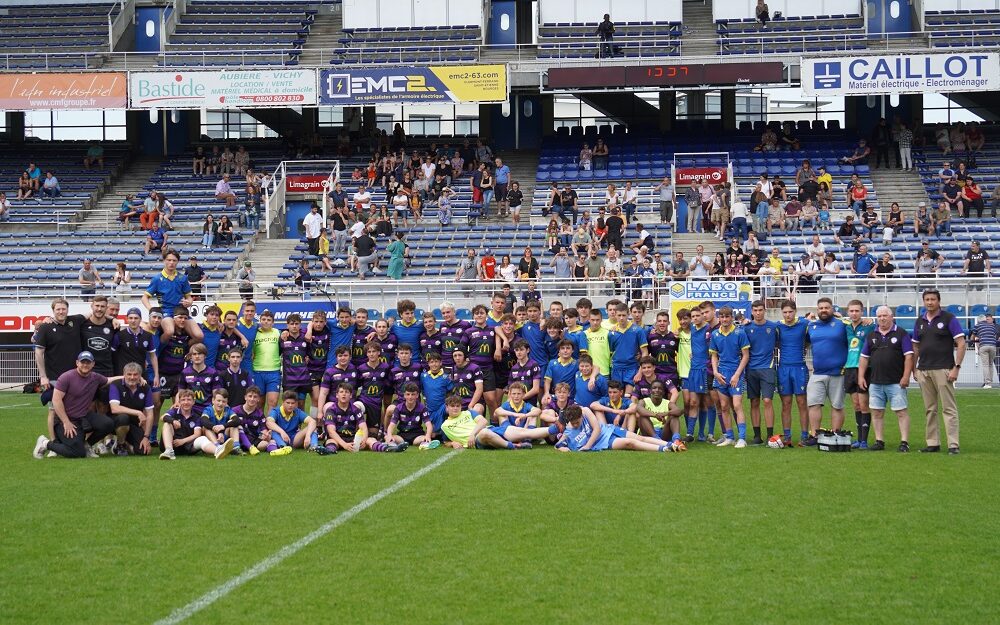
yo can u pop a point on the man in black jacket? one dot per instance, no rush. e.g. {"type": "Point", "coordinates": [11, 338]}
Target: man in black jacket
{"type": "Point", "coordinates": [606, 32]}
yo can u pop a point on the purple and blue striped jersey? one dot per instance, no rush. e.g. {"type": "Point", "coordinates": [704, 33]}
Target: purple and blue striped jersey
{"type": "Point", "coordinates": [295, 361]}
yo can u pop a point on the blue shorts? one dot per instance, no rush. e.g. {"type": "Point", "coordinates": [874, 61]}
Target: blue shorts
{"type": "Point", "coordinates": [792, 379]}
{"type": "Point", "coordinates": [625, 375]}
{"type": "Point", "coordinates": [882, 396]}
{"type": "Point", "coordinates": [728, 389]}
{"type": "Point", "coordinates": [499, 430]}
{"type": "Point", "coordinates": [267, 381]}
{"type": "Point", "coordinates": [608, 435]}
{"type": "Point", "coordinates": [696, 382]}
{"type": "Point", "coordinates": [761, 383]}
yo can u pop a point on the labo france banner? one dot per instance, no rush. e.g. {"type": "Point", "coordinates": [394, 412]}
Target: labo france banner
{"type": "Point", "coordinates": [686, 175]}
{"type": "Point", "coordinates": [231, 89]}
{"type": "Point", "coordinates": [909, 73]}
{"type": "Point", "coordinates": [435, 83]}
{"type": "Point", "coordinates": [737, 294]}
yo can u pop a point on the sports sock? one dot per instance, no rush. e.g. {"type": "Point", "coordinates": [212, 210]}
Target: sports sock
{"type": "Point", "coordinates": [314, 440]}
{"type": "Point", "coordinates": [702, 418]}
{"type": "Point", "coordinates": [756, 430]}
{"type": "Point", "coordinates": [864, 426]}
{"type": "Point", "coordinates": [858, 418]}
{"type": "Point", "coordinates": [244, 441]}
{"type": "Point", "coordinates": [787, 432]}
{"type": "Point", "coordinates": [770, 432]}
{"type": "Point", "coordinates": [331, 446]}
{"type": "Point", "coordinates": [272, 446]}
{"type": "Point", "coordinates": [742, 429]}
{"type": "Point", "coordinates": [553, 430]}
{"type": "Point", "coordinates": [729, 434]}
{"type": "Point", "coordinates": [379, 446]}
{"type": "Point", "coordinates": [690, 425]}
{"type": "Point", "coordinates": [510, 445]}
{"type": "Point", "coordinates": [710, 417]}
{"type": "Point", "coordinates": [676, 437]}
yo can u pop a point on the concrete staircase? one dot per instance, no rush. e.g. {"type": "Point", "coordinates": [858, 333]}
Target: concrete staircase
{"type": "Point", "coordinates": [132, 180]}
{"type": "Point", "coordinates": [323, 36]}
{"type": "Point", "coordinates": [699, 34]}
{"type": "Point", "coordinates": [268, 257]}
{"type": "Point", "coordinates": [523, 168]}
{"type": "Point", "coordinates": [687, 242]}
{"type": "Point", "coordinates": [896, 185]}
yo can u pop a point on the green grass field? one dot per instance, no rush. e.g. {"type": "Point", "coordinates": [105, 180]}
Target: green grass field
{"type": "Point", "coordinates": [713, 535]}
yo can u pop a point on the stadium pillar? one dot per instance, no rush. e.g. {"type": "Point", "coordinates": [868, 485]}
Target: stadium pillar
{"type": "Point", "coordinates": [548, 105]}
{"type": "Point", "coordinates": [153, 139]}
{"type": "Point", "coordinates": [861, 113]}
{"type": "Point", "coordinates": [668, 110]}
{"type": "Point", "coordinates": [695, 104]}
{"type": "Point", "coordinates": [15, 127]}
{"type": "Point", "coordinates": [728, 101]}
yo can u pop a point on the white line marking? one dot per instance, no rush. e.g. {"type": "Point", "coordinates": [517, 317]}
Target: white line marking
{"type": "Point", "coordinates": [288, 551]}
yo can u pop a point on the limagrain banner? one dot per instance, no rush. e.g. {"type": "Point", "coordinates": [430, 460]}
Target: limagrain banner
{"type": "Point", "coordinates": [434, 83]}
{"type": "Point", "coordinates": [229, 89]}
{"type": "Point", "coordinates": [95, 90]}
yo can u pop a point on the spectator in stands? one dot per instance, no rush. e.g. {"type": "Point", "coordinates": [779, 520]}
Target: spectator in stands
{"type": "Point", "coordinates": [312, 224]}
{"type": "Point", "coordinates": [859, 156]}
{"type": "Point", "coordinates": [198, 162]}
{"type": "Point", "coordinates": [612, 264]}
{"type": "Point", "coordinates": [823, 193]}
{"type": "Point", "coordinates": [942, 220]}
{"type": "Point", "coordinates": [515, 198]}
{"type": "Point", "coordinates": [831, 266]}
{"type": "Point", "coordinates": [208, 232]}
{"type": "Point", "coordinates": [444, 207]}
{"type": "Point", "coordinates": [224, 192]}
{"type": "Point", "coordinates": [692, 199]}
{"type": "Point", "coordinates": [905, 140]}
{"type": "Point", "coordinates": [958, 140]}
{"type": "Point", "coordinates": [809, 190]}
{"type": "Point", "coordinates": [457, 164]}
{"type": "Point", "coordinates": [122, 278]}
{"type": "Point", "coordinates": [809, 217]}
{"type": "Point", "coordinates": [974, 141]}
{"type": "Point", "coordinates": [942, 139]}
{"type": "Point", "coordinates": [601, 154]}
{"type": "Point", "coordinates": [246, 277]}
{"type": "Point", "coordinates": [4, 207]}
{"type": "Point", "coordinates": [667, 193]}
{"type": "Point", "coordinates": [214, 162]}
{"type": "Point", "coordinates": [35, 174]}
{"type": "Point", "coordinates": [881, 140]}
{"type": "Point", "coordinates": [502, 186]}
{"type": "Point", "coordinates": [302, 278]}
{"type": "Point", "coordinates": [25, 188]}
{"type": "Point", "coordinates": [586, 158]}
{"type": "Point", "coordinates": [896, 221]}
{"type": "Point", "coordinates": [165, 209]}
{"type": "Point", "coordinates": [804, 172]}
{"type": "Point", "coordinates": [706, 193]}
{"type": "Point", "coordinates": [562, 264]}
{"type": "Point", "coordinates": [793, 212]}
{"type": "Point", "coordinates": [923, 221]}
{"type": "Point", "coordinates": [645, 239]}
{"type": "Point", "coordinates": [241, 161]}
{"type": "Point", "coordinates": [701, 264]}
{"type": "Point", "coordinates": [616, 230]}
{"type": "Point", "coordinates": [89, 280]}
{"type": "Point", "coordinates": [552, 234]}
{"type": "Point", "coordinates": [848, 234]}
{"type": "Point", "coordinates": [606, 33]}
{"type": "Point", "coordinates": [50, 187]}
{"type": "Point", "coordinates": [976, 263]}
{"type": "Point", "coordinates": [156, 239]}
{"type": "Point", "coordinates": [227, 162]}
{"type": "Point", "coordinates": [582, 242]}
{"type": "Point", "coordinates": [788, 140]}
{"type": "Point", "coordinates": [126, 211]}
{"type": "Point", "coordinates": [483, 152]}
{"type": "Point", "coordinates": [953, 196]}
{"type": "Point", "coordinates": [775, 216]}
{"type": "Point", "coordinates": [859, 197]}
{"type": "Point", "coordinates": [150, 217]}
{"type": "Point", "coordinates": [196, 276]}
{"type": "Point", "coordinates": [985, 336]}
{"type": "Point", "coordinates": [870, 220]}
{"type": "Point", "coordinates": [487, 270]}
{"type": "Point", "coordinates": [224, 232]}
{"type": "Point", "coordinates": [962, 173]}
{"type": "Point", "coordinates": [945, 174]}
{"type": "Point", "coordinates": [630, 197]}
{"type": "Point", "coordinates": [251, 213]}
{"type": "Point", "coordinates": [95, 155]}
{"type": "Point", "coordinates": [863, 262]}
{"type": "Point", "coordinates": [806, 275]}
{"type": "Point", "coordinates": [594, 265]}
{"type": "Point", "coordinates": [762, 13]}
{"type": "Point", "coordinates": [768, 141]}
{"type": "Point", "coordinates": [487, 186]}
{"type": "Point", "coordinates": [925, 265]}
{"type": "Point", "coordinates": [720, 211]}
{"type": "Point", "coordinates": [972, 198]}
{"type": "Point", "coordinates": [568, 203]}
{"type": "Point", "coordinates": [366, 253]}
{"type": "Point", "coordinates": [507, 271]}
{"type": "Point", "coordinates": [527, 267]}
{"type": "Point", "coordinates": [883, 268]}
{"type": "Point", "coordinates": [740, 214]}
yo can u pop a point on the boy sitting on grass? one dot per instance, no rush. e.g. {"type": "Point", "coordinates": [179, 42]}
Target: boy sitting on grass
{"type": "Point", "coordinates": [254, 435]}
{"type": "Point", "coordinates": [219, 422]}
{"type": "Point", "coordinates": [182, 432]}
{"type": "Point", "coordinates": [410, 422]}
{"type": "Point", "coordinates": [346, 428]}
{"type": "Point", "coordinates": [290, 426]}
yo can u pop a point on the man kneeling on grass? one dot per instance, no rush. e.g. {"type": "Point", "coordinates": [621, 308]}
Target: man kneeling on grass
{"type": "Point", "coordinates": [346, 428]}
{"type": "Point", "coordinates": [585, 432]}
{"type": "Point", "coordinates": [182, 432]}
{"type": "Point", "coordinates": [467, 428]}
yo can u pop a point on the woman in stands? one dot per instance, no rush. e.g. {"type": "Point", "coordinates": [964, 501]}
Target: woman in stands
{"type": "Point", "coordinates": [242, 161]}
{"type": "Point", "coordinates": [165, 209]}
{"type": "Point", "coordinates": [224, 233]}
{"type": "Point", "coordinates": [208, 228]}
{"type": "Point", "coordinates": [25, 189]}
{"type": "Point", "coordinates": [552, 234]}
{"type": "Point", "coordinates": [212, 166]}
{"type": "Point", "coordinates": [486, 184]}
{"type": "Point", "coordinates": [923, 223]}
{"type": "Point", "coordinates": [227, 161]}
{"type": "Point", "coordinates": [554, 203]}
{"type": "Point", "coordinates": [831, 266]}
{"type": "Point", "coordinates": [719, 266]}
{"type": "Point", "coordinates": [762, 13]}
{"type": "Point", "coordinates": [527, 267]}
{"type": "Point", "coordinates": [198, 162]}
{"type": "Point", "coordinates": [734, 266]}
{"type": "Point", "coordinates": [507, 271]}
{"type": "Point", "coordinates": [974, 141]}
{"type": "Point", "coordinates": [122, 279]}
{"type": "Point", "coordinates": [612, 199]}
{"type": "Point", "coordinates": [586, 157]}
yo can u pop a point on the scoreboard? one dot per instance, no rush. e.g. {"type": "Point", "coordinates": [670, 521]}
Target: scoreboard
{"type": "Point", "coordinates": [666, 76]}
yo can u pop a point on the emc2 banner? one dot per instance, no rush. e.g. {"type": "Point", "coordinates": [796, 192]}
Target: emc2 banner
{"type": "Point", "coordinates": [435, 83]}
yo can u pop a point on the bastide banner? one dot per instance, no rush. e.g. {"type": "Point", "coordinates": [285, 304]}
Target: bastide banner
{"type": "Point", "coordinates": [228, 89]}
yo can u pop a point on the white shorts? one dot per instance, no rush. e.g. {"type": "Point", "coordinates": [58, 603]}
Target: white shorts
{"type": "Point", "coordinates": [516, 210]}
{"type": "Point", "coordinates": [821, 387]}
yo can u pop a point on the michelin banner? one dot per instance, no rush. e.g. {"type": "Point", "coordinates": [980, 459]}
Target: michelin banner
{"type": "Point", "coordinates": [230, 89]}
{"type": "Point", "coordinates": [435, 83]}
{"type": "Point", "coordinates": [910, 73]}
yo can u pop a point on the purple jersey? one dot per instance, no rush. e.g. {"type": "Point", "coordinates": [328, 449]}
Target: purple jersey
{"type": "Point", "coordinates": [202, 383]}
{"type": "Point", "coordinates": [183, 425]}
{"type": "Point", "coordinates": [663, 349]}
{"type": "Point", "coordinates": [452, 336]}
{"type": "Point", "coordinates": [345, 421]}
{"type": "Point", "coordinates": [294, 362]}
{"type": "Point", "coordinates": [410, 420]}
{"type": "Point", "coordinates": [227, 342]}
{"type": "Point", "coordinates": [554, 406]}
{"type": "Point", "coordinates": [253, 423]}
{"type": "Point", "coordinates": [526, 373]}
{"type": "Point", "coordinates": [401, 376]}
{"type": "Point", "coordinates": [388, 345]}
{"type": "Point", "coordinates": [319, 351]}
{"type": "Point", "coordinates": [482, 344]}
{"type": "Point", "coordinates": [430, 343]}
{"type": "Point", "coordinates": [173, 352]}
{"type": "Point", "coordinates": [358, 342]}
{"type": "Point", "coordinates": [373, 383]}
{"type": "Point", "coordinates": [335, 375]}
{"type": "Point", "coordinates": [465, 380]}
{"type": "Point", "coordinates": [641, 390]}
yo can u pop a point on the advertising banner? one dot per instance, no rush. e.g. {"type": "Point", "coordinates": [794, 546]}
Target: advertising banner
{"type": "Point", "coordinates": [305, 183]}
{"type": "Point", "coordinates": [435, 83]}
{"type": "Point", "coordinates": [98, 90]}
{"type": "Point", "coordinates": [230, 89]}
{"type": "Point", "coordinates": [910, 73]}
{"type": "Point", "coordinates": [715, 175]}
{"type": "Point", "coordinates": [737, 294]}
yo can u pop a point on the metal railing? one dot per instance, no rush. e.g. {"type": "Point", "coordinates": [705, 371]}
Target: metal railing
{"type": "Point", "coordinates": [118, 24]}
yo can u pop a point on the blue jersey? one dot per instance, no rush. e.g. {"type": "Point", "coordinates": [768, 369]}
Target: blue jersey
{"type": "Point", "coordinates": [792, 343]}
{"type": "Point", "coordinates": [575, 438]}
{"type": "Point", "coordinates": [700, 338]}
{"type": "Point", "coordinates": [524, 408]}
{"type": "Point", "coordinates": [168, 290]}
{"type": "Point", "coordinates": [729, 346]}
{"type": "Point", "coordinates": [829, 340]}
{"type": "Point", "coordinates": [763, 341]}
{"type": "Point", "coordinates": [535, 336]}
{"type": "Point", "coordinates": [250, 333]}
{"type": "Point", "coordinates": [210, 418]}
{"type": "Point", "coordinates": [562, 372]}
{"type": "Point", "coordinates": [211, 342]}
{"type": "Point", "coordinates": [625, 345]}
{"type": "Point", "coordinates": [409, 335]}
{"type": "Point", "coordinates": [289, 423]}
{"type": "Point", "coordinates": [435, 387]}
{"type": "Point", "coordinates": [583, 395]}
{"type": "Point", "coordinates": [339, 336]}
{"type": "Point", "coordinates": [578, 339]}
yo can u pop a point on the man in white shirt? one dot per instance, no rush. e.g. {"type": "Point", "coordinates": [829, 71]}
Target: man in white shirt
{"type": "Point", "coordinates": [612, 263]}
{"type": "Point", "coordinates": [666, 191]}
{"type": "Point", "coordinates": [701, 264]}
{"type": "Point", "coordinates": [739, 213]}
{"type": "Point", "coordinates": [363, 199]}
{"type": "Point", "coordinates": [312, 224]}
{"type": "Point", "coordinates": [806, 272]}
{"type": "Point", "coordinates": [630, 197]}
{"type": "Point", "coordinates": [645, 240]}
{"type": "Point", "coordinates": [816, 250]}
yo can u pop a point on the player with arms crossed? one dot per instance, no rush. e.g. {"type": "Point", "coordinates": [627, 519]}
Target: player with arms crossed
{"type": "Point", "coordinates": [730, 350]}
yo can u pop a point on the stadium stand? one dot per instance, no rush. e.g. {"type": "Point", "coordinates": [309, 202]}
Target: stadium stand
{"type": "Point", "coordinates": [986, 169]}
{"type": "Point", "coordinates": [963, 28]}
{"type": "Point", "coordinates": [786, 35]}
{"type": "Point", "coordinates": [632, 39]}
{"type": "Point", "coordinates": [430, 44]}
{"type": "Point", "coordinates": [37, 36]}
